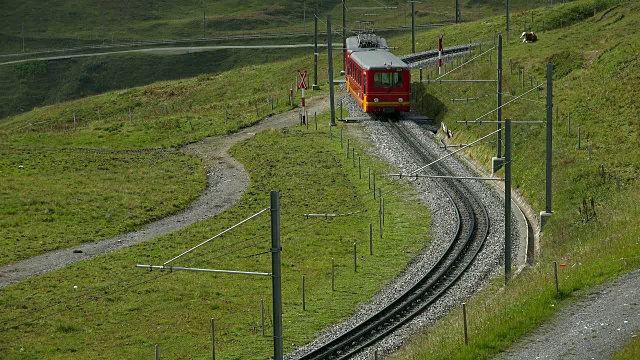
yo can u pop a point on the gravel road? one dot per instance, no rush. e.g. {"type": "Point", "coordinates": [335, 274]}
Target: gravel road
{"type": "Point", "coordinates": [226, 182]}
{"type": "Point", "coordinates": [594, 327]}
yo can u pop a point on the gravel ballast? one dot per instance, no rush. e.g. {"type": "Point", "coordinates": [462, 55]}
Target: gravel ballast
{"type": "Point", "coordinates": [443, 222]}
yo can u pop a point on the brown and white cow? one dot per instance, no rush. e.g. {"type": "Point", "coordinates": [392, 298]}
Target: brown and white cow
{"type": "Point", "coordinates": [528, 36]}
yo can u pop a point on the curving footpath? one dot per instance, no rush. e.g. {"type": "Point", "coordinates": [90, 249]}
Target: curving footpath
{"type": "Point", "coordinates": [226, 182]}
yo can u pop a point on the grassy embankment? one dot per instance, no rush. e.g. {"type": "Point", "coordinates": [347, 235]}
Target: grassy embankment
{"type": "Point", "coordinates": [27, 85]}
{"type": "Point", "coordinates": [87, 174]}
{"type": "Point", "coordinates": [119, 311]}
{"type": "Point", "coordinates": [594, 229]}
{"type": "Point", "coordinates": [575, 235]}
{"type": "Point", "coordinates": [630, 350]}
{"type": "Point", "coordinates": [63, 24]}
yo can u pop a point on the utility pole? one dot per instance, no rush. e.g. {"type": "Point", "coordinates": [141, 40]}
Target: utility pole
{"type": "Point", "coordinates": [330, 56]}
{"type": "Point", "coordinates": [204, 19]}
{"type": "Point", "coordinates": [547, 211]}
{"type": "Point", "coordinates": [102, 25]}
{"type": "Point", "coordinates": [507, 18]}
{"type": "Point", "coordinates": [457, 11]}
{"type": "Point", "coordinates": [22, 31]}
{"type": "Point", "coordinates": [413, 27]}
{"type": "Point", "coordinates": [315, 49]}
{"type": "Point", "coordinates": [344, 35]}
{"type": "Point", "coordinates": [276, 275]}
{"type": "Point", "coordinates": [499, 112]}
{"type": "Point", "coordinates": [498, 161]}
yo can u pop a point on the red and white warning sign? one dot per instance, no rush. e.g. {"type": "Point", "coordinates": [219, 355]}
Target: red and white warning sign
{"type": "Point", "coordinates": [302, 84]}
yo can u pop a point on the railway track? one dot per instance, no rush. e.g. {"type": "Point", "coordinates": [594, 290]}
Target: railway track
{"type": "Point", "coordinates": [411, 59]}
{"type": "Point", "coordinates": [470, 235]}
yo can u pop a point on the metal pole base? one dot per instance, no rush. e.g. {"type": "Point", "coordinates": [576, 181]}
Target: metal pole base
{"type": "Point", "coordinates": [544, 217]}
{"type": "Point", "coordinates": [496, 164]}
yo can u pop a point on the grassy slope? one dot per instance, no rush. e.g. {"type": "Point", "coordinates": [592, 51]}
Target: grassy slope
{"type": "Point", "coordinates": [67, 182]}
{"type": "Point", "coordinates": [630, 351]}
{"type": "Point", "coordinates": [69, 23]}
{"type": "Point", "coordinates": [120, 312]}
{"type": "Point", "coordinates": [56, 198]}
{"type": "Point", "coordinates": [595, 80]}
{"type": "Point", "coordinates": [27, 85]}
{"type": "Point", "coordinates": [24, 86]}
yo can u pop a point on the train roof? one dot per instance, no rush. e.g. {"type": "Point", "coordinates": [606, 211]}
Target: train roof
{"type": "Point", "coordinates": [370, 60]}
{"type": "Point", "coordinates": [366, 41]}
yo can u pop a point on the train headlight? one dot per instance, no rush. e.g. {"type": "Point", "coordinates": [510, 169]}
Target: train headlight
{"type": "Point", "coordinates": [400, 99]}
{"type": "Point", "coordinates": [375, 99]}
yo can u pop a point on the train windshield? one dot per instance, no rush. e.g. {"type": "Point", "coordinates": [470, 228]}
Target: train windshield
{"type": "Point", "coordinates": [387, 79]}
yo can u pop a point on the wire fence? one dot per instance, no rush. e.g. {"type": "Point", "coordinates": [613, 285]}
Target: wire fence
{"type": "Point", "coordinates": [170, 115]}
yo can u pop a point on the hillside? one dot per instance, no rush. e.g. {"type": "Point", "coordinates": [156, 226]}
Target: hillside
{"type": "Point", "coordinates": [124, 144]}
{"type": "Point", "coordinates": [34, 84]}
{"type": "Point", "coordinates": [69, 24]}
{"type": "Point", "coordinates": [593, 229]}
{"type": "Point", "coordinates": [77, 25]}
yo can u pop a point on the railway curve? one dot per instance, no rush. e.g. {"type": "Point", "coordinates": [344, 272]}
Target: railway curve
{"type": "Point", "coordinates": [471, 232]}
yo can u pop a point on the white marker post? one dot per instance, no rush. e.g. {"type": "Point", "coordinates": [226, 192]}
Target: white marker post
{"type": "Point", "coordinates": [439, 55]}
{"type": "Point", "coordinates": [303, 85]}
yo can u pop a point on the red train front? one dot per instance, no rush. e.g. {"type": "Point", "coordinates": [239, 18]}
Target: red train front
{"type": "Point", "coordinates": [378, 80]}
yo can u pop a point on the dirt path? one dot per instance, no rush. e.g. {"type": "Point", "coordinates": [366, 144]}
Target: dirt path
{"type": "Point", "coordinates": [594, 327]}
{"type": "Point", "coordinates": [226, 182]}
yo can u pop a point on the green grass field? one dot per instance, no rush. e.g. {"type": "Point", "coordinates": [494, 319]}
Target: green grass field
{"type": "Point", "coordinates": [118, 311]}
{"type": "Point", "coordinates": [595, 82]}
{"type": "Point", "coordinates": [45, 209]}
{"type": "Point", "coordinates": [25, 86]}
{"type": "Point", "coordinates": [56, 168]}
{"type": "Point", "coordinates": [630, 351]}
{"type": "Point", "coordinates": [59, 24]}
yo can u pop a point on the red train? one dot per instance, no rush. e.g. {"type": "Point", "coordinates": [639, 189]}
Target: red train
{"type": "Point", "coordinates": [378, 80]}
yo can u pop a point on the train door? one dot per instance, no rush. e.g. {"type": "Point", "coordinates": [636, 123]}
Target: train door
{"type": "Point", "coordinates": [364, 83]}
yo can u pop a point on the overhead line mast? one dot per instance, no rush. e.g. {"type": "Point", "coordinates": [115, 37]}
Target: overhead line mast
{"type": "Point", "coordinates": [344, 35]}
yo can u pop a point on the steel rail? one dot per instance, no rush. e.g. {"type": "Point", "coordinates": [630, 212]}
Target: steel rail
{"type": "Point", "coordinates": [469, 239]}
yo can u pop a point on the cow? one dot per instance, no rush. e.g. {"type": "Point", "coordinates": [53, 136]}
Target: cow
{"type": "Point", "coordinates": [528, 36]}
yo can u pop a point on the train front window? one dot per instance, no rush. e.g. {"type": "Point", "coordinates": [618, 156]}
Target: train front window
{"type": "Point", "coordinates": [387, 79]}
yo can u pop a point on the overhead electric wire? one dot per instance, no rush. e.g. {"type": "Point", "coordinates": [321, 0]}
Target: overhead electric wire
{"type": "Point", "coordinates": [293, 227]}
{"type": "Point", "coordinates": [219, 234]}
{"type": "Point", "coordinates": [525, 99]}
{"type": "Point", "coordinates": [463, 64]}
